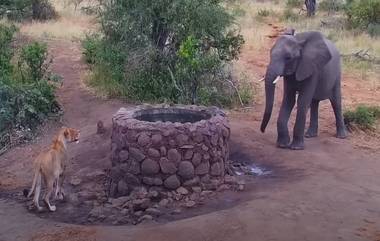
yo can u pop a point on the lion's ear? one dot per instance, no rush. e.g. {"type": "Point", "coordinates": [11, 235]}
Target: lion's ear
{"type": "Point", "coordinates": [66, 133]}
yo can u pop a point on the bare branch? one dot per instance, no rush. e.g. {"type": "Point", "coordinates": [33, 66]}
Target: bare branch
{"type": "Point", "coordinates": [363, 55]}
{"type": "Point", "coordinates": [237, 91]}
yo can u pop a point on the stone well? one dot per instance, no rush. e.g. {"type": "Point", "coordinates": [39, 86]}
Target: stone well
{"type": "Point", "coordinates": [168, 147]}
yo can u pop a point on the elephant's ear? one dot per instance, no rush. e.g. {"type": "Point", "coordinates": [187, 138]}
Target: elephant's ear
{"type": "Point", "coordinates": [314, 54]}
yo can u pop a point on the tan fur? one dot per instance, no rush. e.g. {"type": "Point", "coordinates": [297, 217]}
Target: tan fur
{"type": "Point", "coordinates": [50, 165]}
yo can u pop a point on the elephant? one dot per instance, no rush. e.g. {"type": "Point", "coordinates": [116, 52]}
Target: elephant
{"type": "Point", "coordinates": [311, 68]}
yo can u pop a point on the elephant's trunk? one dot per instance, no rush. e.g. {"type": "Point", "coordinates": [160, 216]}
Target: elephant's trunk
{"type": "Point", "coordinates": [269, 98]}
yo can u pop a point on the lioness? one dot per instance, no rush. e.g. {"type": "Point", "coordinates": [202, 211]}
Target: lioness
{"type": "Point", "coordinates": [50, 164]}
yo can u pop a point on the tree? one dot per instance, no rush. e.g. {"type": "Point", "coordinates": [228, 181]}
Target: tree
{"type": "Point", "coordinates": [168, 47]}
{"type": "Point", "coordinates": [310, 7]}
{"type": "Point", "coordinates": [20, 9]}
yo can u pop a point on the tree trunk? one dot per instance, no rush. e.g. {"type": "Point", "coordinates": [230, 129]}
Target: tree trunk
{"type": "Point", "coordinates": [310, 7]}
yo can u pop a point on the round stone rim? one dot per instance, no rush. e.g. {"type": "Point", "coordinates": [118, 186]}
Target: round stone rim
{"type": "Point", "coordinates": [127, 118]}
{"type": "Point", "coordinates": [168, 154]}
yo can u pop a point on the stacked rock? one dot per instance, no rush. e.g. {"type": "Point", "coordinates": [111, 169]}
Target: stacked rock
{"type": "Point", "coordinates": [168, 154]}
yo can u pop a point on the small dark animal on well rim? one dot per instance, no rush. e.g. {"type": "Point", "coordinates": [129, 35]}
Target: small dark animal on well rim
{"type": "Point", "coordinates": [100, 128]}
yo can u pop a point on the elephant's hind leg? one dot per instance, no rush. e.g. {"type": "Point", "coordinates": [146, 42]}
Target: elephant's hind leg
{"type": "Point", "coordinates": [336, 103]}
{"type": "Point", "coordinates": [313, 127]}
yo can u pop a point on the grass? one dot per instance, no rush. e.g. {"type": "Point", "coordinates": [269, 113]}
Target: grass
{"type": "Point", "coordinates": [364, 117]}
{"type": "Point", "coordinates": [99, 79]}
{"type": "Point", "coordinates": [70, 25]}
{"type": "Point", "coordinates": [251, 23]}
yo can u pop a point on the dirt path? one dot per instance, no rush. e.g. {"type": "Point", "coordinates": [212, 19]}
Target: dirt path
{"type": "Point", "coordinates": [330, 191]}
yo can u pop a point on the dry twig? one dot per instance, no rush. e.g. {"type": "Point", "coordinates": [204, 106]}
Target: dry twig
{"type": "Point", "coordinates": [362, 55]}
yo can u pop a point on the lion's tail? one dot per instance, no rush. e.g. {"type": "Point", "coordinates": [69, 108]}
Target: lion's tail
{"type": "Point", "coordinates": [37, 176]}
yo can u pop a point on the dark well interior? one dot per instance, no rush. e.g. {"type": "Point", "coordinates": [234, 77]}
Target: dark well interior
{"type": "Point", "coordinates": [171, 115]}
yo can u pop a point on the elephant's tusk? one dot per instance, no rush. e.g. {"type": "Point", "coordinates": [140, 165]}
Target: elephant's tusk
{"type": "Point", "coordinates": [276, 80]}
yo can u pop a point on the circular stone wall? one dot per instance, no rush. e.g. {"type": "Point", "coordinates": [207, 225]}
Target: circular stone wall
{"type": "Point", "coordinates": [168, 146]}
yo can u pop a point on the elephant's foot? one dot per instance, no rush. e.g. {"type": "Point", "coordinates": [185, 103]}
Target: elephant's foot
{"type": "Point", "coordinates": [283, 142]}
{"type": "Point", "coordinates": [283, 145]}
{"type": "Point", "coordinates": [297, 144]}
{"type": "Point", "coordinates": [311, 133]}
{"type": "Point", "coordinates": [341, 134]}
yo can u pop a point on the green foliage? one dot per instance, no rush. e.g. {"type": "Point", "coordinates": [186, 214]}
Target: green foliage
{"type": "Point", "coordinates": [290, 15]}
{"type": "Point", "coordinates": [21, 9]}
{"type": "Point", "coordinates": [373, 29]}
{"type": "Point", "coordinates": [364, 117]}
{"type": "Point", "coordinates": [294, 3]}
{"type": "Point", "coordinates": [91, 46]}
{"type": "Point", "coordinates": [26, 95]}
{"type": "Point", "coordinates": [194, 64]}
{"type": "Point", "coordinates": [6, 53]}
{"type": "Point", "coordinates": [263, 12]}
{"type": "Point", "coordinates": [34, 59]}
{"type": "Point", "coordinates": [331, 5]}
{"type": "Point", "coordinates": [162, 50]}
{"type": "Point", "coordinates": [16, 9]}
{"type": "Point", "coordinates": [43, 10]}
{"type": "Point", "coordinates": [361, 13]}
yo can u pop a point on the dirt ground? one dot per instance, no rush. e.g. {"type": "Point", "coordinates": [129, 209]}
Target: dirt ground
{"type": "Point", "coordinates": [329, 191]}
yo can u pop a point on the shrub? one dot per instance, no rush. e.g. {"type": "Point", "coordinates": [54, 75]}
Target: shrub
{"type": "Point", "coordinates": [6, 53]}
{"type": "Point", "coordinates": [21, 9]}
{"type": "Point", "coordinates": [373, 29]}
{"type": "Point", "coordinates": [331, 5]}
{"type": "Point", "coordinates": [15, 9]}
{"type": "Point", "coordinates": [164, 50]}
{"type": "Point", "coordinates": [91, 47]}
{"type": "Point", "coordinates": [290, 15]}
{"type": "Point", "coordinates": [263, 13]}
{"type": "Point", "coordinates": [294, 3]}
{"type": "Point", "coordinates": [361, 13]}
{"type": "Point", "coordinates": [33, 58]}
{"type": "Point", "coordinates": [24, 101]}
{"type": "Point", "coordinates": [43, 10]}
{"type": "Point", "coordinates": [363, 116]}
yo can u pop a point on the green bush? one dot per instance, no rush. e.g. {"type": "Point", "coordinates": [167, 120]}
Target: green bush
{"type": "Point", "coordinates": [26, 95]}
{"type": "Point", "coordinates": [364, 117]}
{"type": "Point", "coordinates": [290, 15]}
{"type": "Point", "coordinates": [43, 10]}
{"type": "Point", "coordinates": [294, 3]}
{"type": "Point", "coordinates": [6, 53]}
{"type": "Point", "coordinates": [373, 29]}
{"type": "Point", "coordinates": [331, 5]}
{"type": "Point", "coordinates": [21, 9]}
{"type": "Point", "coordinates": [33, 58]}
{"type": "Point", "coordinates": [91, 46]}
{"type": "Point", "coordinates": [361, 13]}
{"type": "Point", "coordinates": [263, 13]}
{"type": "Point", "coordinates": [163, 50]}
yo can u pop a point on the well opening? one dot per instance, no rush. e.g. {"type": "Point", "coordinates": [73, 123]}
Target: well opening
{"type": "Point", "coordinates": [171, 115]}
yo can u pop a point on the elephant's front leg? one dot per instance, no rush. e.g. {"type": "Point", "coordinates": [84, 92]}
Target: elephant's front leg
{"type": "Point", "coordinates": [313, 128]}
{"type": "Point", "coordinates": [303, 104]}
{"type": "Point", "coordinates": [289, 99]}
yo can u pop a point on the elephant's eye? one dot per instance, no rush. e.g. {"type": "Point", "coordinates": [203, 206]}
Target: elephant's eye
{"type": "Point", "coordinates": [288, 57]}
